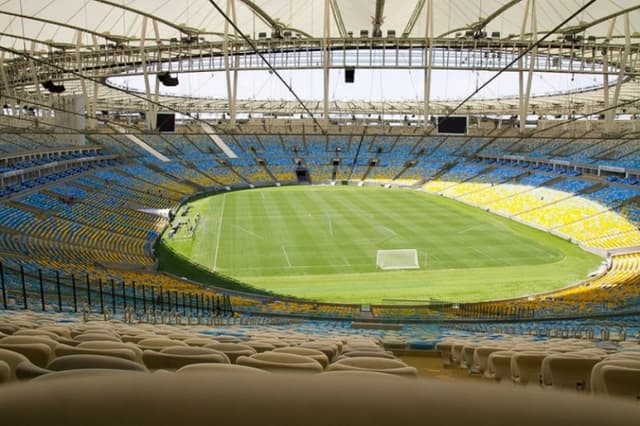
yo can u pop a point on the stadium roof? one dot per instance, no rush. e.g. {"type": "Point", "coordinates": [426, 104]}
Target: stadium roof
{"type": "Point", "coordinates": [73, 41]}
{"type": "Point", "coordinates": [59, 20]}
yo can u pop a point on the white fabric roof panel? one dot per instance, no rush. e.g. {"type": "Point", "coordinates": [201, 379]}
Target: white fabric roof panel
{"type": "Point", "coordinates": [124, 17]}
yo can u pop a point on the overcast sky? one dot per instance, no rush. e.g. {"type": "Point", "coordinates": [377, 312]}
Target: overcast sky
{"type": "Point", "coordinates": [369, 85]}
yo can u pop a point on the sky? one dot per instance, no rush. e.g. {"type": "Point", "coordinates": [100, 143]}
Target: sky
{"type": "Point", "coordinates": [370, 84]}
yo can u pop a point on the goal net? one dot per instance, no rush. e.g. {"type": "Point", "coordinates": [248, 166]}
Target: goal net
{"type": "Point", "coordinates": [397, 259]}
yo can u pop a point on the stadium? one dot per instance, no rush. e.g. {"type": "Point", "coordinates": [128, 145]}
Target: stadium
{"type": "Point", "coordinates": [378, 209]}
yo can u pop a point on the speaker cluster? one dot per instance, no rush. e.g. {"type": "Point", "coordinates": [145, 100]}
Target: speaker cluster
{"type": "Point", "coordinates": [167, 80]}
{"type": "Point", "coordinates": [52, 87]}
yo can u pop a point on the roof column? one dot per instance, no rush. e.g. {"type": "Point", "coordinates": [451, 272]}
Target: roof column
{"type": "Point", "coordinates": [326, 62]}
{"type": "Point", "coordinates": [525, 90]}
{"type": "Point", "coordinates": [622, 64]}
{"type": "Point", "coordinates": [428, 63]}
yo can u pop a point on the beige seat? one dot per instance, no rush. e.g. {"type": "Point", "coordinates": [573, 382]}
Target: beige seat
{"type": "Point", "coordinates": [173, 358]}
{"type": "Point", "coordinates": [356, 374]}
{"type": "Point", "coordinates": [20, 340]}
{"type": "Point", "coordinates": [466, 355]}
{"type": "Point", "coordinates": [456, 353]}
{"type": "Point", "coordinates": [199, 341]}
{"type": "Point", "coordinates": [37, 332]}
{"type": "Point", "coordinates": [21, 367]}
{"type": "Point", "coordinates": [481, 357]}
{"type": "Point", "coordinates": [600, 386]}
{"type": "Point", "coordinates": [445, 349]}
{"type": "Point", "coordinates": [85, 374]}
{"type": "Point", "coordinates": [381, 365]}
{"type": "Point", "coordinates": [101, 344]}
{"type": "Point", "coordinates": [38, 353]}
{"type": "Point", "coordinates": [308, 352]}
{"type": "Point", "coordinates": [158, 343]}
{"type": "Point", "coordinates": [5, 372]}
{"type": "Point", "coordinates": [288, 400]}
{"type": "Point", "coordinates": [330, 349]}
{"type": "Point", "coordinates": [227, 339]}
{"type": "Point", "coordinates": [499, 366]}
{"type": "Point", "coordinates": [569, 370]}
{"type": "Point", "coordinates": [232, 350]}
{"type": "Point", "coordinates": [27, 371]}
{"type": "Point", "coordinates": [394, 343]}
{"type": "Point", "coordinates": [60, 330]}
{"type": "Point", "coordinates": [374, 354]}
{"type": "Point", "coordinates": [280, 361]}
{"type": "Point", "coordinates": [12, 359]}
{"type": "Point", "coordinates": [8, 329]}
{"type": "Point", "coordinates": [621, 381]}
{"type": "Point", "coordinates": [76, 362]}
{"type": "Point", "coordinates": [124, 353]}
{"type": "Point", "coordinates": [93, 337]}
{"type": "Point", "coordinates": [260, 346]}
{"type": "Point", "coordinates": [215, 369]}
{"type": "Point", "coordinates": [356, 347]}
{"type": "Point", "coordinates": [526, 367]}
{"type": "Point", "coordinates": [137, 338]}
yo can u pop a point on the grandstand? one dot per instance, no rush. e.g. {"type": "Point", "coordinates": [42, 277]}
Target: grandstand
{"type": "Point", "coordinates": [118, 118]}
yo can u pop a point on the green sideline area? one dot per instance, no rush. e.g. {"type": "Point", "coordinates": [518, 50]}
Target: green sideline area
{"type": "Point", "coordinates": [320, 242]}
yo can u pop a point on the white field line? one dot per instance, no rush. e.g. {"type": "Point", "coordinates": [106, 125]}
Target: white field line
{"type": "Point", "coordinates": [215, 259]}
{"type": "Point", "coordinates": [286, 256]}
{"type": "Point", "coordinates": [248, 232]}
{"type": "Point", "coordinates": [391, 231]}
{"type": "Point", "coordinates": [330, 225]}
{"type": "Point", "coordinates": [469, 228]}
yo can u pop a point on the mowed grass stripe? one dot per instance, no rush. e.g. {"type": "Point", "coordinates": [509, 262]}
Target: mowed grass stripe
{"type": "Point", "coordinates": [321, 242]}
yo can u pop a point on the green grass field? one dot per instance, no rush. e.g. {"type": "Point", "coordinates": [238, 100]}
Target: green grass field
{"type": "Point", "coordinates": [320, 243]}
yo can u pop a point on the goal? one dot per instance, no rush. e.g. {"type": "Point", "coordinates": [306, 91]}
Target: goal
{"type": "Point", "coordinates": [397, 259]}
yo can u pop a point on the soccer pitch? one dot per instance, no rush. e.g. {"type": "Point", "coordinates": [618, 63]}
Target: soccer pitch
{"type": "Point", "coordinates": [320, 242]}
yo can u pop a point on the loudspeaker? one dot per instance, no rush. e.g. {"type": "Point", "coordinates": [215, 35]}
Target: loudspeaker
{"type": "Point", "coordinates": [349, 74]}
{"type": "Point", "coordinates": [166, 122]}
{"type": "Point", "coordinates": [167, 80]}
{"type": "Point", "coordinates": [52, 87]}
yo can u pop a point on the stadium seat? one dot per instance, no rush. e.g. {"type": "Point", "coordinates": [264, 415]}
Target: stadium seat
{"type": "Point", "coordinates": [307, 352]}
{"type": "Point", "coordinates": [526, 367]}
{"type": "Point", "coordinates": [280, 361]}
{"type": "Point", "coordinates": [5, 372]}
{"type": "Point", "coordinates": [621, 381]}
{"type": "Point", "coordinates": [38, 353]}
{"type": "Point", "coordinates": [108, 345]}
{"type": "Point", "coordinates": [76, 362]}
{"type": "Point", "coordinates": [317, 400]}
{"type": "Point", "coordinates": [83, 374]}
{"type": "Point", "coordinates": [118, 352]}
{"type": "Point", "coordinates": [232, 350]}
{"type": "Point", "coordinates": [380, 365]}
{"type": "Point", "coordinates": [569, 371]}
{"type": "Point", "coordinates": [499, 366]}
{"type": "Point", "coordinates": [180, 356]}
{"type": "Point", "coordinates": [626, 384]}
{"type": "Point", "coordinates": [217, 369]}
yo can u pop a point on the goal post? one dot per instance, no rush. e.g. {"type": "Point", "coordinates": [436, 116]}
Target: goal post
{"type": "Point", "coordinates": [397, 259]}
